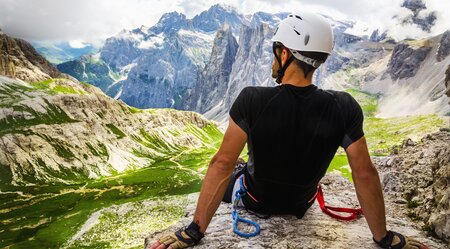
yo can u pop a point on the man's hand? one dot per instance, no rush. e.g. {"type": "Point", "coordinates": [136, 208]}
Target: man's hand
{"type": "Point", "coordinates": [183, 238]}
{"type": "Point", "coordinates": [395, 240]}
{"type": "Point", "coordinates": [172, 242]}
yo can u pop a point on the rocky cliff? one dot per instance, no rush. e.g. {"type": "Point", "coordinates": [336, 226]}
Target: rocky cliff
{"type": "Point", "coordinates": [417, 176]}
{"type": "Point", "coordinates": [18, 59]}
{"type": "Point", "coordinates": [447, 81]}
{"type": "Point", "coordinates": [211, 85]}
{"type": "Point", "coordinates": [92, 69]}
{"type": "Point", "coordinates": [405, 60]}
{"type": "Point", "coordinates": [415, 70]}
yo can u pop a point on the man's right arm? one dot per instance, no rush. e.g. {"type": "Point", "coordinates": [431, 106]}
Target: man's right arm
{"type": "Point", "coordinates": [368, 187]}
{"type": "Point", "coordinates": [370, 196]}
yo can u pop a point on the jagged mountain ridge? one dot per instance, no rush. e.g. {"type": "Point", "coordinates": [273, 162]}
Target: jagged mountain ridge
{"type": "Point", "coordinates": [177, 53]}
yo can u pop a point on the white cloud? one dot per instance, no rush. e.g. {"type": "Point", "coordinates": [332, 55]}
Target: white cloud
{"type": "Point", "coordinates": [88, 21]}
{"type": "Point", "coordinates": [77, 44]}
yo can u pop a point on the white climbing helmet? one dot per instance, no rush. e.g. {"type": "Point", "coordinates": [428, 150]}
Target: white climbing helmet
{"type": "Point", "coordinates": [305, 31]}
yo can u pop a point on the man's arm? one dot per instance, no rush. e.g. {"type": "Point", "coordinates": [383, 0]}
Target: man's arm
{"type": "Point", "coordinates": [368, 187]}
{"type": "Point", "coordinates": [217, 177]}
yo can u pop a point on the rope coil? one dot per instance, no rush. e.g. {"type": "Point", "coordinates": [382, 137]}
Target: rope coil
{"type": "Point", "coordinates": [236, 219]}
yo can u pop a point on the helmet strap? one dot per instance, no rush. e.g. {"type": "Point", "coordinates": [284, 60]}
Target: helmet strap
{"type": "Point", "coordinates": [281, 68]}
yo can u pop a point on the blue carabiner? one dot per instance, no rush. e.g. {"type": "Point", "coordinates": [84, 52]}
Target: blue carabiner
{"type": "Point", "coordinates": [236, 219]}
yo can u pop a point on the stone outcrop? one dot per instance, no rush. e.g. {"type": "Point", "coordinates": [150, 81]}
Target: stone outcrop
{"type": "Point", "coordinates": [211, 85]}
{"type": "Point", "coordinates": [405, 61]}
{"type": "Point", "coordinates": [444, 46]}
{"type": "Point", "coordinates": [447, 81]}
{"type": "Point", "coordinates": [418, 176]}
{"type": "Point", "coordinates": [18, 59]}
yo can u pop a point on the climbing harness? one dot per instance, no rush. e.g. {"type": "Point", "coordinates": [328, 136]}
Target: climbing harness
{"type": "Point", "coordinates": [236, 219]}
{"type": "Point", "coordinates": [354, 212]}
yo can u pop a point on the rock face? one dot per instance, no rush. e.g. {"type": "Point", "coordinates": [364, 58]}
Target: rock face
{"type": "Point", "coordinates": [447, 81]}
{"type": "Point", "coordinates": [410, 72]}
{"type": "Point", "coordinates": [93, 70]}
{"type": "Point", "coordinates": [444, 47]}
{"type": "Point", "coordinates": [211, 85]}
{"type": "Point", "coordinates": [314, 230]}
{"type": "Point", "coordinates": [18, 59]}
{"type": "Point", "coordinates": [405, 61]}
{"type": "Point", "coordinates": [417, 175]}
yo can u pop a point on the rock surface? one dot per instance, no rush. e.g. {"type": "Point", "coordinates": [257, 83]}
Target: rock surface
{"type": "Point", "coordinates": [18, 59]}
{"type": "Point", "coordinates": [210, 87]}
{"type": "Point", "coordinates": [447, 81]}
{"type": "Point", "coordinates": [405, 61]}
{"type": "Point", "coordinates": [444, 47]}
{"type": "Point", "coordinates": [419, 176]}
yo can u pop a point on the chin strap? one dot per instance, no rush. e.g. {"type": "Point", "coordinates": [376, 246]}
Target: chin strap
{"type": "Point", "coordinates": [281, 69]}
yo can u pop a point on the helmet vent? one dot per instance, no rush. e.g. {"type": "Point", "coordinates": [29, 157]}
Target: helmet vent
{"type": "Point", "coordinates": [306, 39]}
{"type": "Point", "coordinates": [297, 32]}
{"type": "Point", "coordinates": [298, 17]}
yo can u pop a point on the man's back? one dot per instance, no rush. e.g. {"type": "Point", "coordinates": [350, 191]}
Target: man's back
{"type": "Point", "coordinates": [293, 133]}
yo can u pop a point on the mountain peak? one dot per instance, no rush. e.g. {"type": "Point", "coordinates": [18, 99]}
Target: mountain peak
{"type": "Point", "coordinates": [170, 22]}
{"type": "Point", "coordinates": [213, 18]}
{"type": "Point", "coordinates": [170, 17]}
{"type": "Point", "coordinates": [221, 7]}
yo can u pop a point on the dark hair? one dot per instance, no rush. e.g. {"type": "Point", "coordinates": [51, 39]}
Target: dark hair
{"type": "Point", "coordinates": [321, 57]}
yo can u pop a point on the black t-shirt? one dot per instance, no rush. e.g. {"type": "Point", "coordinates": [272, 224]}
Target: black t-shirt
{"type": "Point", "coordinates": [293, 134]}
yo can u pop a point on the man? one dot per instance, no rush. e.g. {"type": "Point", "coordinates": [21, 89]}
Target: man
{"type": "Point", "coordinates": [292, 131]}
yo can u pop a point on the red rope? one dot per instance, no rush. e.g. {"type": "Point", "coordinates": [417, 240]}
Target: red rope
{"type": "Point", "coordinates": [354, 212]}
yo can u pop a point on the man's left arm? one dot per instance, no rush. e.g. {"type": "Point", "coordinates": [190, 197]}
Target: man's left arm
{"type": "Point", "coordinates": [216, 180]}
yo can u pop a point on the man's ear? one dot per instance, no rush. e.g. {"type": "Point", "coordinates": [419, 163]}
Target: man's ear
{"type": "Point", "coordinates": [284, 55]}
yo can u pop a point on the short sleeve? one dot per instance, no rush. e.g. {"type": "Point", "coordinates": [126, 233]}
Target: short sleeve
{"type": "Point", "coordinates": [239, 111]}
{"type": "Point", "coordinates": [354, 119]}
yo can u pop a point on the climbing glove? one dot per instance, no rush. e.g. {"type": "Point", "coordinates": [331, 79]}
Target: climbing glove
{"type": "Point", "coordinates": [394, 240]}
{"type": "Point", "coordinates": [183, 238]}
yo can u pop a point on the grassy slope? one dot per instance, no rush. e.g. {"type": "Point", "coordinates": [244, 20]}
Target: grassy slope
{"type": "Point", "coordinates": [55, 212]}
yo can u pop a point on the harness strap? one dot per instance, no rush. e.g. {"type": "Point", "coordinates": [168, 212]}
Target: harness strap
{"type": "Point", "coordinates": [236, 219]}
{"type": "Point", "coordinates": [354, 212]}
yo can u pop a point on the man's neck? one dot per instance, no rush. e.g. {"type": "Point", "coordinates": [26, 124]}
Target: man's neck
{"type": "Point", "coordinates": [296, 78]}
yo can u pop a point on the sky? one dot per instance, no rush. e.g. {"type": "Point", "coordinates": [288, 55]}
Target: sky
{"type": "Point", "coordinates": [92, 21]}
